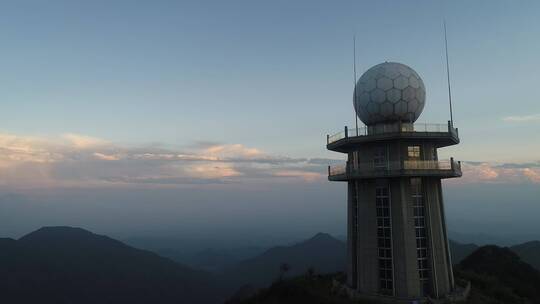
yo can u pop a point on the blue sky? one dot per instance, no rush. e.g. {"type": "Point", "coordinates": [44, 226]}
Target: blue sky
{"type": "Point", "coordinates": [104, 94]}
{"type": "Point", "coordinates": [273, 75]}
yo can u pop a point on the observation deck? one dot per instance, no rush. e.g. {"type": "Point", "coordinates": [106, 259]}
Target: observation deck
{"type": "Point", "coordinates": [410, 168]}
{"type": "Point", "coordinates": [441, 134]}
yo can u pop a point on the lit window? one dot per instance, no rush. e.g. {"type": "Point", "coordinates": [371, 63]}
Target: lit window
{"type": "Point", "coordinates": [413, 152]}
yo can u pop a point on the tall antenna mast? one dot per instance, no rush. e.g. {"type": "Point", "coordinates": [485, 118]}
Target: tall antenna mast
{"type": "Point", "coordinates": [354, 82]}
{"type": "Point", "coordinates": [448, 74]}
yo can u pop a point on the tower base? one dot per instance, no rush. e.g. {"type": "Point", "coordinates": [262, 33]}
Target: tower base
{"type": "Point", "coordinates": [459, 295]}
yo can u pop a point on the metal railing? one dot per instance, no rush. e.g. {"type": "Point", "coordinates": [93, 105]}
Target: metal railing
{"type": "Point", "coordinates": [428, 165]}
{"type": "Point", "coordinates": [367, 167]}
{"type": "Point", "coordinates": [392, 128]}
{"type": "Point", "coordinates": [337, 169]}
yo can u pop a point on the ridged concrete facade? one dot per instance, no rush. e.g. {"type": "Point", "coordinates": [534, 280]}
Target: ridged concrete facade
{"type": "Point", "coordinates": [405, 206]}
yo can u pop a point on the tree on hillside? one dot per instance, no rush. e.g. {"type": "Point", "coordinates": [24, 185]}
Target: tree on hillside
{"type": "Point", "coordinates": [283, 269]}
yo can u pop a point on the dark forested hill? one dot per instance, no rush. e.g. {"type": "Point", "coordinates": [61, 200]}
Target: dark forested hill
{"type": "Point", "coordinates": [71, 265]}
{"type": "Point", "coordinates": [498, 275]}
{"type": "Point", "coordinates": [529, 252]}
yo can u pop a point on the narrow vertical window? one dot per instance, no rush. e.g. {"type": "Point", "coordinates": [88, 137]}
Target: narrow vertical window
{"type": "Point", "coordinates": [422, 255]}
{"type": "Point", "coordinates": [379, 157]}
{"type": "Point", "coordinates": [354, 233]}
{"type": "Point", "coordinates": [384, 240]}
{"type": "Point", "coordinates": [433, 153]}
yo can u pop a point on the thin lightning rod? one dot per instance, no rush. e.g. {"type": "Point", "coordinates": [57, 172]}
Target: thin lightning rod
{"type": "Point", "coordinates": [448, 74]}
{"type": "Point", "coordinates": [354, 71]}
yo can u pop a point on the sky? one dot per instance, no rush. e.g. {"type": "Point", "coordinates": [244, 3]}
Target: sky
{"type": "Point", "coordinates": [134, 117]}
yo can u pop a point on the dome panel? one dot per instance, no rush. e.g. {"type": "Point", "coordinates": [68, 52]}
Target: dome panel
{"type": "Point", "coordinates": [379, 72]}
{"type": "Point", "coordinates": [413, 82]}
{"type": "Point", "coordinates": [373, 107]}
{"type": "Point", "coordinates": [405, 70]}
{"type": "Point", "coordinates": [409, 94]}
{"type": "Point", "coordinates": [421, 95]}
{"type": "Point", "coordinates": [387, 108]}
{"type": "Point", "coordinates": [368, 85]}
{"type": "Point", "coordinates": [364, 98]}
{"type": "Point", "coordinates": [393, 95]}
{"type": "Point", "coordinates": [384, 83]}
{"type": "Point", "coordinates": [392, 73]}
{"type": "Point", "coordinates": [378, 95]}
{"type": "Point", "coordinates": [401, 82]}
{"type": "Point", "coordinates": [401, 108]}
{"type": "Point", "coordinates": [413, 105]}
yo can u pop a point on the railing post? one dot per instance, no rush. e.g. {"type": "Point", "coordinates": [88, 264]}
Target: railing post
{"type": "Point", "coordinates": [327, 139]}
{"type": "Point", "coordinates": [346, 132]}
{"type": "Point", "coordinates": [328, 170]}
{"type": "Point", "coordinates": [449, 127]}
{"type": "Point", "coordinates": [452, 163]}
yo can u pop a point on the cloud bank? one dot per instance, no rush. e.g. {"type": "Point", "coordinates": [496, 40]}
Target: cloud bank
{"type": "Point", "coordinates": [504, 173]}
{"type": "Point", "coordinates": [73, 160]}
{"type": "Point", "coordinates": [82, 161]}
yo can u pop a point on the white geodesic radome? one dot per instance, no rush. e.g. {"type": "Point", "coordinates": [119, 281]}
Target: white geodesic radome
{"type": "Point", "coordinates": [388, 92]}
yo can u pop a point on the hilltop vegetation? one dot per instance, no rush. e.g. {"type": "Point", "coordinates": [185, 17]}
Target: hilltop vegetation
{"type": "Point", "coordinates": [529, 252]}
{"type": "Point", "coordinates": [316, 289]}
{"type": "Point", "coordinates": [498, 276]}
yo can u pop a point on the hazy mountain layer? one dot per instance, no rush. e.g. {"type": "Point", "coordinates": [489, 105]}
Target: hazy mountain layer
{"type": "Point", "coordinates": [323, 253]}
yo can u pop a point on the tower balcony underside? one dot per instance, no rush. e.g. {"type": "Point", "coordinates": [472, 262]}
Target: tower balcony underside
{"type": "Point", "coordinates": [348, 140]}
{"type": "Point", "coordinates": [426, 168]}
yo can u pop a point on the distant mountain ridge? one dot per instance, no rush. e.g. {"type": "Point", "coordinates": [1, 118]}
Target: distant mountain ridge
{"type": "Point", "coordinates": [460, 251]}
{"type": "Point", "coordinates": [72, 265]}
{"type": "Point", "coordinates": [529, 252]}
{"type": "Point", "coordinates": [323, 253]}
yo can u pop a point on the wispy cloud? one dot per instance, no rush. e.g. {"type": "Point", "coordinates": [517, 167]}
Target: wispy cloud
{"type": "Point", "coordinates": [102, 156]}
{"type": "Point", "coordinates": [307, 176]}
{"type": "Point", "coordinates": [522, 118]}
{"type": "Point", "coordinates": [73, 160]}
{"type": "Point", "coordinates": [84, 142]}
{"type": "Point", "coordinates": [488, 172]}
{"type": "Point", "coordinates": [532, 174]}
